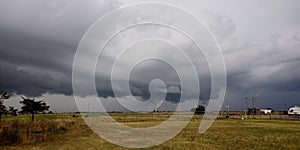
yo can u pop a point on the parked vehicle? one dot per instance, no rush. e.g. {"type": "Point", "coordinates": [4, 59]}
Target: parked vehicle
{"type": "Point", "coordinates": [294, 110]}
{"type": "Point", "coordinates": [266, 111]}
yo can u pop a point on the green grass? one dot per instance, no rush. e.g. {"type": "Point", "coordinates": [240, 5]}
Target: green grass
{"type": "Point", "coordinates": [223, 134]}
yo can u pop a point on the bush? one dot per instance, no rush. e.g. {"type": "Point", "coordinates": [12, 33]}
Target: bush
{"type": "Point", "coordinates": [200, 110]}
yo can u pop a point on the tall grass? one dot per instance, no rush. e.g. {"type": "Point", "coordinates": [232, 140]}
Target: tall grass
{"type": "Point", "coordinates": [24, 131]}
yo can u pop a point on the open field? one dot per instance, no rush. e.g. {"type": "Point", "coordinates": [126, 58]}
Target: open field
{"type": "Point", "coordinates": [62, 131]}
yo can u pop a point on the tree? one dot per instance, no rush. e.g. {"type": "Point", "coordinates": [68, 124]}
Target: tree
{"type": "Point", "coordinates": [31, 106]}
{"type": "Point", "coordinates": [3, 96]}
{"type": "Point", "coordinates": [12, 111]}
{"type": "Point", "coordinates": [200, 110]}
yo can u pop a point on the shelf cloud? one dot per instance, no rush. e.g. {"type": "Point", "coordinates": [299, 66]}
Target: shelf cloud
{"type": "Point", "coordinates": [260, 43]}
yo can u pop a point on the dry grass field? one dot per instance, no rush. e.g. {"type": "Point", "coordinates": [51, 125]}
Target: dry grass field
{"type": "Point", "coordinates": [62, 131]}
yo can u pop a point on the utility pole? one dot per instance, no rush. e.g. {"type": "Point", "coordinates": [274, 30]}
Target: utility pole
{"type": "Point", "coordinates": [221, 110]}
{"type": "Point", "coordinates": [228, 110]}
{"type": "Point", "coordinates": [242, 117]}
{"type": "Point", "coordinates": [246, 99]}
{"type": "Point", "coordinates": [253, 107]}
{"type": "Point", "coordinates": [227, 115]}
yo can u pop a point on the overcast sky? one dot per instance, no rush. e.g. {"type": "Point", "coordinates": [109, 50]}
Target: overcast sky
{"type": "Point", "coordinates": [260, 41]}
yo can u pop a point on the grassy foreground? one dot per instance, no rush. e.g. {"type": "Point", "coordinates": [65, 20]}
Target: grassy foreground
{"type": "Point", "coordinates": [69, 132]}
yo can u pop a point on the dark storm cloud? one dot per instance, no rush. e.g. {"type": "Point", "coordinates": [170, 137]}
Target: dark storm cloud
{"type": "Point", "coordinates": [19, 81]}
{"type": "Point", "coordinates": [38, 40]}
{"type": "Point", "coordinates": [30, 51]}
{"type": "Point", "coordinates": [33, 66]}
{"type": "Point", "coordinates": [38, 44]}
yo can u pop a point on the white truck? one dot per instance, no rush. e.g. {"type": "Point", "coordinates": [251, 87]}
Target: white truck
{"type": "Point", "coordinates": [266, 111]}
{"type": "Point", "coordinates": [294, 110]}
